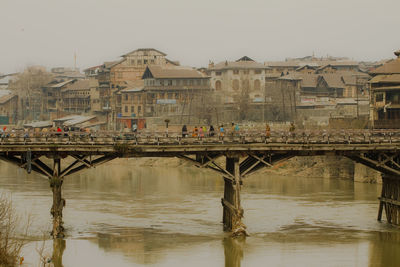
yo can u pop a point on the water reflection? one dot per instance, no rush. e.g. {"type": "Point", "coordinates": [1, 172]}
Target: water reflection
{"type": "Point", "coordinates": [385, 250]}
{"type": "Point", "coordinates": [59, 246]}
{"type": "Point", "coordinates": [233, 250]}
{"type": "Point", "coordinates": [122, 214]}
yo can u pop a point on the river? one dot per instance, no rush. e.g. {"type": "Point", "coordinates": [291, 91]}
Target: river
{"type": "Point", "coordinates": [122, 214]}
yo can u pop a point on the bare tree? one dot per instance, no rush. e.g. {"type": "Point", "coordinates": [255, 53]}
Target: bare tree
{"type": "Point", "coordinates": [28, 85]}
{"type": "Point", "coordinates": [11, 240]}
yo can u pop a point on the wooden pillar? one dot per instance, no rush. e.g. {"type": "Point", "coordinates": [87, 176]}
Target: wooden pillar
{"type": "Point", "coordinates": [232, 210]}
{"type": "Point", "coordinates": [58, 202]}
{"type": "Point", "coordinates": [390, 199]}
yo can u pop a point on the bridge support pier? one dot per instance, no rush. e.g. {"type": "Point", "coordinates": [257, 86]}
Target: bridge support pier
{"type": "Point", "coordinates": [58, 202]}
{"type": "Point", "coordinates": [390, 199]}
{"type": "Point", "coordinates": [232, 210]}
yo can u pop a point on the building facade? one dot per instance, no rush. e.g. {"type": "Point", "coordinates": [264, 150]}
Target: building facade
{"type": "Point", "coordinates": [385, 94]}
{"type": "Point", "coordinates": [236, 80]}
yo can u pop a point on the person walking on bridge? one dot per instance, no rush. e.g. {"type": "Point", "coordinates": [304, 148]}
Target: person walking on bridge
{"type": "Point", "coordinates": [292, 128]}
{"type": "Point", "coordinates": [221, 131]}
{"type": "Point", "coordinates": [267, 131]}
{"type": "Point", "coordinates": [184, 131]}
{"type": "Point", "coordinates": [211, 131]}
{"type": "Point", "coordinates": [195, 132]}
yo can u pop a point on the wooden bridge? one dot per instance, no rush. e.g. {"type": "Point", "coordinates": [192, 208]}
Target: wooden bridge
{"type": "Point", "coordinates": [57, 155]}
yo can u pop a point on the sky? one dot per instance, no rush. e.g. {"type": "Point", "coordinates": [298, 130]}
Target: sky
{"type": "Point", "coordinates": [50, 32]}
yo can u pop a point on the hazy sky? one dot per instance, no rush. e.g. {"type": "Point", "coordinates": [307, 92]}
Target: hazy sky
{"type": "Point", "coordinates": [48, 32]}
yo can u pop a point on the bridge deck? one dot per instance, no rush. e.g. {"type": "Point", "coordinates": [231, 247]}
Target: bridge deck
{"type": "Point", "coordinates": [154, 144]}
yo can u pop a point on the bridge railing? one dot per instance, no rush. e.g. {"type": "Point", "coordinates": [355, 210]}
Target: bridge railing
{"type": "Point", "coordinates": [176, 138]}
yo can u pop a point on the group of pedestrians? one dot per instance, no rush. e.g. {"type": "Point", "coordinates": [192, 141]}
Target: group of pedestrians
{"type": "Point", "coordinates": [201, 131]}
{"type": "Point", "coordinates": [204, 131]}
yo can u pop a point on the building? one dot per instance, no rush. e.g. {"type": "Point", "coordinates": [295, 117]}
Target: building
{"type": "Point", "coordinates": [385, 94]}
{"type": "Point", "coordinates": [76, 96]}
{"type": "Point", "coordinates": [133, 64]}
{"type": "Point", "coordinates": [8, 107]}
{"type": "Point", "coordinates": [343, 90]}
{"type": "Point", "coordinates": [132, 101]}
{"type": "Point", "coordinates": [52, 99]}
{"type": "Point", "coordinates": [235, 80]}
{"type": "Point", "coordinates": [177, 93]}
{"type": "Point", "coordinates": [63, 73]}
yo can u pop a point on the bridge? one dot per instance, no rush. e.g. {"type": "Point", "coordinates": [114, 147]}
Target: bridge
{"type": "Point", "coordinates": [58, 155]}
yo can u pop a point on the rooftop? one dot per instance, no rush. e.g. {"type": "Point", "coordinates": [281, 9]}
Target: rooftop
{"type": "Point", "coordinates": [153, 71]}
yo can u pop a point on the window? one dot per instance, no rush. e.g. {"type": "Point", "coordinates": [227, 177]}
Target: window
{"type": "Point", "coordinates": [162, 83]}
{"type": "Point", "coordinates": [145, 61]}
{"type": "Point", "coordinates": [139, 109]}
{"type": "Point", "coordinates": [120, 75]}
{"type": "Point", "coordinates": [178, 82]}
{"type": "Point", "coordinates": [257, 71]}
{"type": "Point", "coordinates": [169, 82]}
{"type": "Point", "coordinates": [198, 82]}
{"type": "Point", "coordinates": [191, 82]}
{"type": "Point", "coordinates": [139, 97]}
{"type": "Point", "coordinates": [139, 62]}
{"type": "Point", "coordinates": [235, 84]}
{"type": "Point", "coordinates": [184, 82]}
{"type": "Point", "coordinates": [378, 97]}
{"type": "Point", "coordinates": [126, 108]}
{"type": "Point", "coordinates": [236, 72]}
{"type": "Point", "coordinates": [218, 73]}
{"type": "Point", "coordinates": [132, 62]}
{"type": "Point", "coordinates": [152, 61]}
{"type": "Point", "coordinates": [126, 97]}
{"type": "Point", "coordinates": [218, 85]}
{"type": "Point", "coordinates": [257, 85]}
{"type": "Point", "coordinates": [246, 72]}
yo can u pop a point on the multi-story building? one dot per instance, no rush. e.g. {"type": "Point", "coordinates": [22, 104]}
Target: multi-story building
{"type": "Point", "coordinates": [76, 96]}
{"type": "Point", "coordinates": [238, 79]}
{"type": "Point", "coordinates": [133, 64]}
{"type": "Point", "coordinates": [8, 107]}
{"type": "Point", "coordinates": [52, 99]}
{"type": "Point", "coordinates": [176, 92]}
{"type": "Point", "coordinates": [385, 94]}
{"type": "Point", "coordinates": [170, 92]}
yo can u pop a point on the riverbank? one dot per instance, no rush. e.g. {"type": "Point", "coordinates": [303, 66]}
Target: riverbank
{"type": "Point", "coordinates": [318, 166]}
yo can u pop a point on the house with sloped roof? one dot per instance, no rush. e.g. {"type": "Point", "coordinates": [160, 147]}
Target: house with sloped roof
{"type": "Point", "coordinates": [385, 94]}
{"type": "Point", "coordinates": [232, 79]}
{"type": "Point", "coordinates": [174, 91]}
{"type": "Point", "coordinates": [52, 98]}
{"type": "Point", "coordinates": [8, 107]}
{"type": "Point", "coordinates": [133, 64]}
{"type": "Point", "coordinates": [77, 97]}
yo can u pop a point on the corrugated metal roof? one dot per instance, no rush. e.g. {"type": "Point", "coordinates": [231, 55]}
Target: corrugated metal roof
{"type": "Point", "coordinates": [78, 120]}
{"type": "Point", "coordinates": [390, 67]}
{"type": "Point", "coordinates": [81, 85]}
{"type": "Point", "coordinates": [60, 84]}
{"type": "Point", "coordinates": [393, 78]}
{"type": "Point", "coordinates": [39, 124]}
{"type": "Point", "coordinates": [174, 72]}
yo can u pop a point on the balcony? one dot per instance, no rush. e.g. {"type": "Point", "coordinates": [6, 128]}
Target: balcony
{"type": "Point", "coordinates": [387, 124]}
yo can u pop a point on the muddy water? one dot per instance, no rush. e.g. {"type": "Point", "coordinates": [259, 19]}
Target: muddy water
{"type": "Point", "coordinates": [123, 215]}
